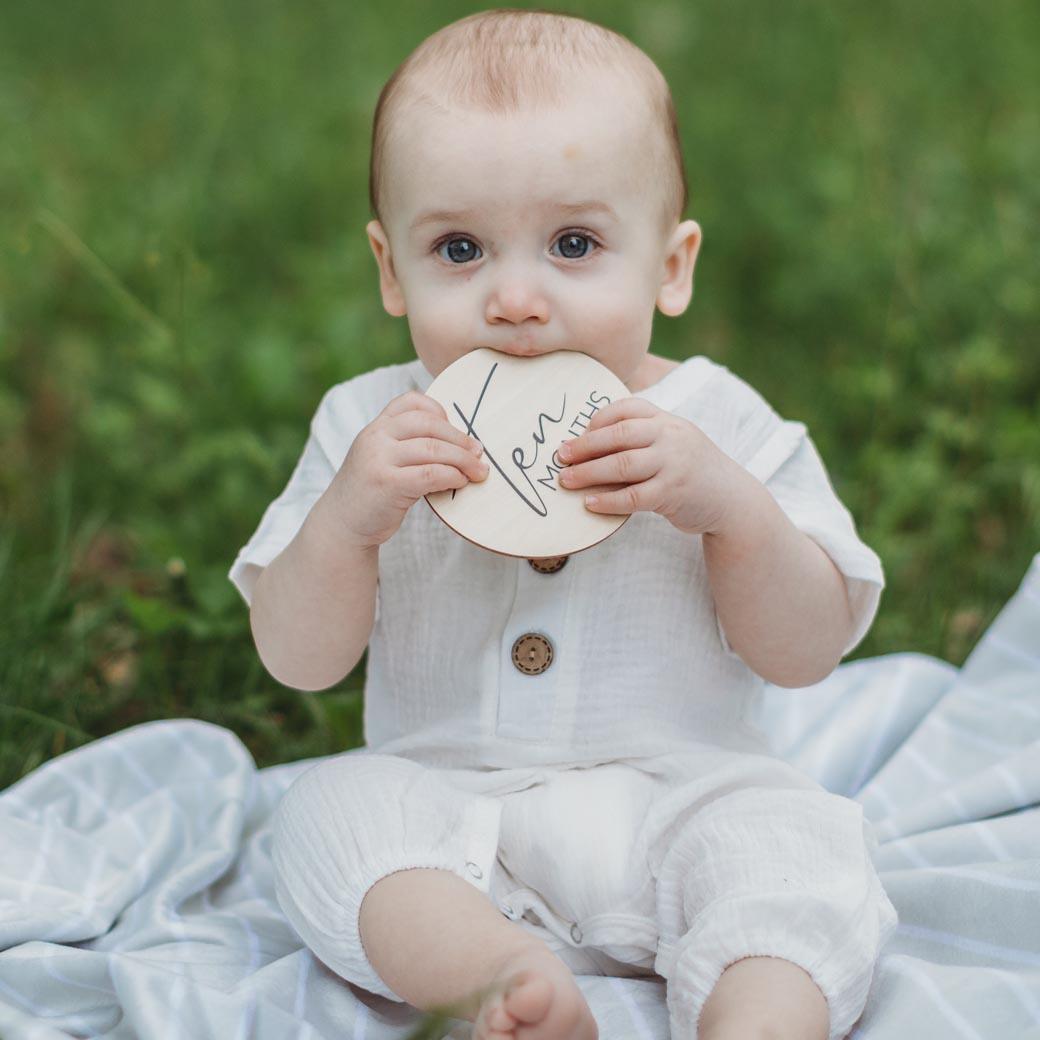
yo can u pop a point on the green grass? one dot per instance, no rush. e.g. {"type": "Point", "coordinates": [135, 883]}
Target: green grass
{"type": "Point", "coordinates": [183, 272]}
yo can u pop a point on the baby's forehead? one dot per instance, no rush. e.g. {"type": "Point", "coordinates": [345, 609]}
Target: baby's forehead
{"type": "Point", "coordinates": [612, 89]}
{"type": "Point", "coordinates": [534, 159]}
{"type": "Point", "coordinates": [602, 131]}
{"type": "Point", "coordinates": [585, 123]}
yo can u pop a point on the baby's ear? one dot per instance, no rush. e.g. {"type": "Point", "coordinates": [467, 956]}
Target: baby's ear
{"type": "Point", "coordinates": [680, 255]}
{"type": "Point", "coordinates": [393, 297]}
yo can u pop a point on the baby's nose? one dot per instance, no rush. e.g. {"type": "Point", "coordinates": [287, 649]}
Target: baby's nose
{"type": "Point", "coordinates": [515, 302]}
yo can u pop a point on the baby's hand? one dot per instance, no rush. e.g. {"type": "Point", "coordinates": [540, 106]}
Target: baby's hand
{"type": "Point", "coordinates": [407, 451]}
{"type": "Point", "coordinates": [670, 465]}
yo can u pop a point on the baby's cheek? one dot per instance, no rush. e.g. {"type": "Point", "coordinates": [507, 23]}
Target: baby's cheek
{"type": "Point", "coordinates": [621, 320]}
{"type": "Point", "coordinates": [435, 323]}
{"type": "Point", "coordinates": [621, 326]}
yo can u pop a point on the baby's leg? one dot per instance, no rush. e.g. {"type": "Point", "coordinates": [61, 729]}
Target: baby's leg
{"type": "Point", "coordinates": [772, 912]}
{"type": "Point", "coordinates": [760, 997]}
{"type": "Point", "coordinates": [439, 943]}
{"type": "Point", "coordinates": [383, 869]}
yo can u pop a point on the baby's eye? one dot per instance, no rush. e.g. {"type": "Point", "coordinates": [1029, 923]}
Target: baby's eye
{"type": "Point", "coordinates": [460, 250]}
{"type": "Point", "coordinates": [576, 244]}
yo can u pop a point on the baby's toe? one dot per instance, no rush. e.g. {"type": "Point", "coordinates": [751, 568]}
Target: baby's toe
{"type": "Point", "coordinates": [494, 1022]}
{"type": "Point", "coordinates": [529, 998]}
{"type": "Point", "coordinates": [500, 1020]}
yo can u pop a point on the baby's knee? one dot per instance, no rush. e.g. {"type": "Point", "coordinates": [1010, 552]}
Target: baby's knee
{"type": "Point", "coordinates": [780, 874]}
{"type": "Point", "coordinates": [351, 820]}
{"type": "Point", "coordinates": [754, 841]}
{"type": "Point", "coordinates": [341, 826]}
{"type": "Point", "coordinates": [338, 793]}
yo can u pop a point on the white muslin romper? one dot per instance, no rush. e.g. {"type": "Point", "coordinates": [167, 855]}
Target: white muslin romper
{"type": "Point", "coordinates": [621, 803]}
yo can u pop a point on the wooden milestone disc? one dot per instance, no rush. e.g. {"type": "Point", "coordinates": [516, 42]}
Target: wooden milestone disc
{"type": "Point", "coordinates": [521, 409]}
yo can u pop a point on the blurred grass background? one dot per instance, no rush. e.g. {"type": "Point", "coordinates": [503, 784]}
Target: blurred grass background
{"type": "Point", "coordinates": [184, 271]}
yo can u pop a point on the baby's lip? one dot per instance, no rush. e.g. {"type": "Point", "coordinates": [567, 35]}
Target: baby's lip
{"type": "Point", "coordinates": [520, 349]}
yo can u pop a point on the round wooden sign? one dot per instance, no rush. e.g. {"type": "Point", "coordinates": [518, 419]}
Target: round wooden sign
{"type": "Point", "coordinates": [521, 409]}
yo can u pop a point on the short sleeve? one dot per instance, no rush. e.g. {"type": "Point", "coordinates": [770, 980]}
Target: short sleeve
{"type": "Point", "coordinates": [781, 454]}
{"type": "Point", "coordinates": [803, 490]}
{"type": "Point", "coordinates": [333, 428]}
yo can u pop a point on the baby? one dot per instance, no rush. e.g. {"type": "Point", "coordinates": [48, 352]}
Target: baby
{"type": "Point", "coordinates": [562, 773]}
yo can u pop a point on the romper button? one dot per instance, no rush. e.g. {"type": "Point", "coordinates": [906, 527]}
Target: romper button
{"type": "Point", "coordinates": [474, 870]}
{"type": "Point", "coordinates": [508, 911]}
{"type": "Point", "coordinates": [532, 653]}
{"type": "Point", "coordinates": [548, 564]}
{"type": "Point", "coordinates": [576, 933]}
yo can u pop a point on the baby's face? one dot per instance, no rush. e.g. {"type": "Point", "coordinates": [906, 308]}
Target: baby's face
{"type": "Point", "coordinates": [532, 232]}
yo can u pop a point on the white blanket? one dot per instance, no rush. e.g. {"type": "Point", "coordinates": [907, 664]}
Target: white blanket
{"type": "Point", "coordinates": [136, 897]}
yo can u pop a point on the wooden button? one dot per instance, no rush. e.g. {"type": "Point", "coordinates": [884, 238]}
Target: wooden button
{"type": "Point", "coordinates": [532, 653]}
{"type": "Point", "coordinates": [548, 564]}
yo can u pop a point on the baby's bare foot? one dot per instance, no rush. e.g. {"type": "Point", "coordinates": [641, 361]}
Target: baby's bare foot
{"type": "Point", "coordinates": [535, 997]}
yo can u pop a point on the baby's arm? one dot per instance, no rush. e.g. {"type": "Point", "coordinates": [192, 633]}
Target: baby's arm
{"type": "Point", "coordinates": [780, 599]}
{"type": "Point", "coordinates": [314, 605]}
{"type": "Point", "coordinates": [782, 604]}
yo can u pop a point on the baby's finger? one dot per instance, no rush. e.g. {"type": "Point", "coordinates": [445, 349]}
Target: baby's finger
{"type": "Point", "coordinates": [625, 433]}
{"type": "Point", "coordinates": [623, 467]}
{"type": "Point", "coordinates": [412, 400]}
{"type": "Point", "coordinates": [415, 451]}
{"type": "Point", "coordinates": [429, 477]}
{"type": "Point", "coordinates": [415, 423]}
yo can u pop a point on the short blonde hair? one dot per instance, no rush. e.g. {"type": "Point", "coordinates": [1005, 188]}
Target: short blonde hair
{"type": "Point", "coordinates": [509, 59]}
